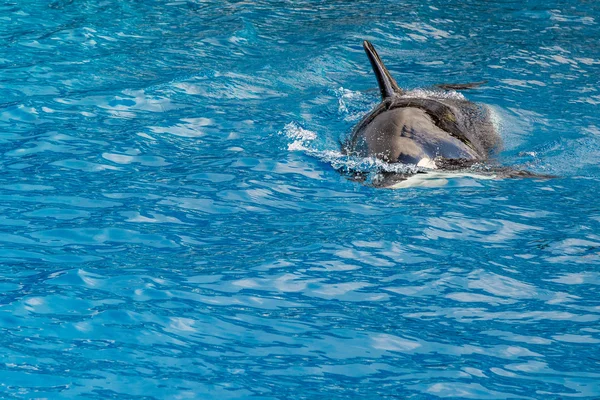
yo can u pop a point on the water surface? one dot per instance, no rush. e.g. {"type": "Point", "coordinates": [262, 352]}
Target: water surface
{"type": "Point", "coordinates": [173, 223]}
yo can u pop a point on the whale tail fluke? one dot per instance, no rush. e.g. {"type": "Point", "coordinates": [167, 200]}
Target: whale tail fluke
{"type": "Point", "coordinates": [387, 85]}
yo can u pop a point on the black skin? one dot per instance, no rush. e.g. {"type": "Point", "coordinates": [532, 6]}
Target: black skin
{"type": "Point", "coordinates": [413, 128]}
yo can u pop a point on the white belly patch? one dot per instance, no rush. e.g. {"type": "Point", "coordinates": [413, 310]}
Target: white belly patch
{"type": "Point", "coordinates": [441, 178]}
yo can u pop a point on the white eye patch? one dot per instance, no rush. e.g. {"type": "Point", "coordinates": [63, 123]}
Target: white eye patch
{"type": "Point", "coordinates": [427, 163]}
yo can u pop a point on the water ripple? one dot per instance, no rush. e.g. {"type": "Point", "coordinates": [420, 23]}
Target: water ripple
{"type": "Point", "coordinates": [174, 225]}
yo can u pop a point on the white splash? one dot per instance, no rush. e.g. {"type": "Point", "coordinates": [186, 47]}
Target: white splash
{"type": "Point", "coordinates": [353, 105]}
{"type": "Point", "coordinates": [304, 140]}
{"type": "Point", "coordinates": [495, 117]}
{"type": "Point", "coordinates": [345, 95]}
{"type": "Point", "coordinates": [300, 137]}
{"type": "Point", "coordinates": [433, 94]}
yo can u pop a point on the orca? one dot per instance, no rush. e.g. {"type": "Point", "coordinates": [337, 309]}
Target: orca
{"type": "Point", "coordinates": [443, 133]}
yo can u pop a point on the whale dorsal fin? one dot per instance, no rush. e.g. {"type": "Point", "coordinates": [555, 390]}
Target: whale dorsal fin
{"type": "Point", "coordinates": [387, 85]}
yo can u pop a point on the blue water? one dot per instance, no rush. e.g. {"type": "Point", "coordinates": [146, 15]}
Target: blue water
{"type": "Point", "coordinates": [173, 223]}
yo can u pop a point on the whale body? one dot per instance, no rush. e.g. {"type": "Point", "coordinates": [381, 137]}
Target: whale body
{"type": "Point", "coordinates": [444, 133]}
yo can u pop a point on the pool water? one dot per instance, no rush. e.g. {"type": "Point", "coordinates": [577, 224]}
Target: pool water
{"type": "Point", "coordinates": [174, 223]}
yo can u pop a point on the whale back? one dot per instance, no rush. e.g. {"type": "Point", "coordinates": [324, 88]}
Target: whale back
{"type": "Point", "coordinates": [461, 119]}
{"type": "Point", "coordinates": [468, 122]}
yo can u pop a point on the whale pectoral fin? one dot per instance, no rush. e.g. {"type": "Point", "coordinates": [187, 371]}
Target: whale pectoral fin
{"type": "Point", "coordinates": [503, 172]}
{"type": "Point", "coordinates": [481, 168]}
{"type": "Point", "coordinates": [507, 172]}
{"type": "Point", "coordinates": [460, 86]}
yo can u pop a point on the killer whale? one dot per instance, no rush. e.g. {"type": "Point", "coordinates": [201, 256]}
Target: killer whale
{"type": "Point", "coordinates": [443, 133]}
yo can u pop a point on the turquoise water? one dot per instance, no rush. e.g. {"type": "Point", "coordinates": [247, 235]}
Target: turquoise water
{"type": "Point", "coordinates": [173, 222]}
